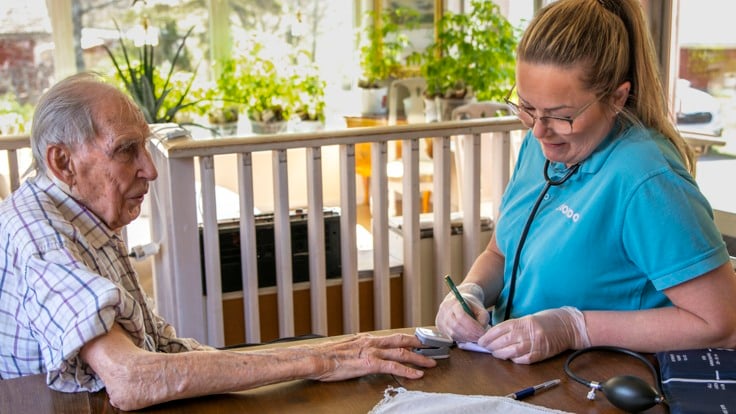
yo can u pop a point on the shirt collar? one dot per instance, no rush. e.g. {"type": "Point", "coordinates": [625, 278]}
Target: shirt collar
{"type": "Point", "coordinates": [82, 218]}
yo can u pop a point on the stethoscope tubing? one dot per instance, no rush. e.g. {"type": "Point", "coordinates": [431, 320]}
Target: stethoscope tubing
{"type": "Point", "coordinates": [549, 182]}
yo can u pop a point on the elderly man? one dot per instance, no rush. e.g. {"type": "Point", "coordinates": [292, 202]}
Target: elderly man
{"type": "Point", "coordinates": [71, 305]}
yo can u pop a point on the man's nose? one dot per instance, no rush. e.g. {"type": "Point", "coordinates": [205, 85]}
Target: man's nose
{"type": "Point", "coordinates": [147, 167]}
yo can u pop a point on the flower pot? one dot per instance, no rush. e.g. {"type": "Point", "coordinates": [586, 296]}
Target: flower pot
{"type": "Point", "coordinates": [273, 127]}
{"type": "Point", "coordinates": [226, 129]}
{"type": "Point", "coordinates": [307, 126]}
{"type": "Point", "coordinates": [430, 110]}
{"type": "Point", "coordinates": [373, 101]}
{"type": "Point", "coordinates": [445, 106]}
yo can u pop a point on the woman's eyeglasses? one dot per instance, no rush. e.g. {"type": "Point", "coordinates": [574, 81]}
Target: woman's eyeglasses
{"type": "Point", "coordinates": [559, 124]}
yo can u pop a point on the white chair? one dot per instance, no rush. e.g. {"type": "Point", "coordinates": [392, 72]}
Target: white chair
{"type": "Point", "coordinates": [483, 109]}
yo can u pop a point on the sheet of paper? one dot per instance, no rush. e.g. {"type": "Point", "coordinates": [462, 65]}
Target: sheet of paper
{"type": "Point", "coordinates": [472, 346]}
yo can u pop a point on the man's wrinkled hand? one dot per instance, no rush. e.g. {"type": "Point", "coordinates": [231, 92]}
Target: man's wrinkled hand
{"type": "Point", "coordinates": [365, 354]}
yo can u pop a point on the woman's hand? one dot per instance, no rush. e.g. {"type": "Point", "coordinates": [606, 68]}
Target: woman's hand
{"type": "Point", "coordinates": [453, 321]}
{"type": "Point", "coordinates": [536, 337]}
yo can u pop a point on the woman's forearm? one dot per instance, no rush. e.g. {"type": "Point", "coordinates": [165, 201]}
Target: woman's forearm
{"type": "Point", "coordinates": [703, 315]}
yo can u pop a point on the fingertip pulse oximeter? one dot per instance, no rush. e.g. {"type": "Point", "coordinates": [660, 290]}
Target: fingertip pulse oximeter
{"type": "Point", "coordinates": [436, 345]}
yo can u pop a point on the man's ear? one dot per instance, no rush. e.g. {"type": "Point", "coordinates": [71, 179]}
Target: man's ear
{"type": "Point", "coordinates": [59, 163]}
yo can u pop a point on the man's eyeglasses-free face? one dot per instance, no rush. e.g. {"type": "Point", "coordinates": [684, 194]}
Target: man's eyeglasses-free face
{"type": "Point", "coordinates": [559, 124]}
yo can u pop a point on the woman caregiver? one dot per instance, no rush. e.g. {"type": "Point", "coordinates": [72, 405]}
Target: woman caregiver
{"type": "Point", "coordinates": [603, 237]}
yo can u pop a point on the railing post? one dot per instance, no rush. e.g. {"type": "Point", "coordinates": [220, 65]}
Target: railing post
{"type": "Point", "coordinates": [348, 250]}
{"type": "Point", "coordinates": [379, 216]}
{"type": "Point", "coordinates": [177, 276]}
{"type": "Point", "coordinates": [500, 168]}
{"type": "Point", "coordinates": [410, 223]}
{"type": "Point", "coordinates": [316, 240]}
{"type": "Point", "coordinates": [442, 210]}
{"type": "Point", "coordinates": [282, 249]}
{"type": "Point", "coordinates": [248, 249]}
{"type": "Point", "coordinates": [471, 200]}
{"type": "Point", "coordinates": [210, 237]}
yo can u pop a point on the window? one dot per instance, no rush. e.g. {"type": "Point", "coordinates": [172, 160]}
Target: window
{"type": "Point", "coordinates": [707, 68]}
{"type": "Point", "coordinates": [42, 41]}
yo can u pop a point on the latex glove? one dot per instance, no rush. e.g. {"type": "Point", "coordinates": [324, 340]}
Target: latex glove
{"type": "Point", "coordinates": [452, 320]}
{"type": "Point", "coordinates": [538, 336]}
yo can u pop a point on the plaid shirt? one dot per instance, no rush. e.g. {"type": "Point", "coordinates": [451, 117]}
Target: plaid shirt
{"type": "Point", "coordinates": [65, 278]}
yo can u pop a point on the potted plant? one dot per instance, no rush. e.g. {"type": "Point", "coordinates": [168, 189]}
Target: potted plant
{"type": "Point", "coordinates": [159, 97]}
{"type": "Point", "coordinates": [257, 84]}
{"type": "Point", "coordinates": [473, 57]}
{"type": "Point", "coordinates": [309, 102]}
{"type": "Point", "coordinates": [381, 54]}
{"type": "Point", "coordinates": [224, 118]}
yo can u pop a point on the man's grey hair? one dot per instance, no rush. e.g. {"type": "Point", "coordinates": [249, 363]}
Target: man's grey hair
{"type": "Point", "coordinates": [65, 114]}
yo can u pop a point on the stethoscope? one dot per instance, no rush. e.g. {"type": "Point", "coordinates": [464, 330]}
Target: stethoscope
{"type": "Point", "coordinates": [549, 183]}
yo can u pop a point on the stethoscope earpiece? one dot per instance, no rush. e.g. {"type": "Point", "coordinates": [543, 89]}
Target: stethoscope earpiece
{"type": "Point", "coordinates": [627, 392]}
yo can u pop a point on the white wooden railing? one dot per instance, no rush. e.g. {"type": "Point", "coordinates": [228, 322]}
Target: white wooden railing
{"type": "Point", "coordinates": [177, 271]}
{"type": "Point", "coordinates": [183, 162]}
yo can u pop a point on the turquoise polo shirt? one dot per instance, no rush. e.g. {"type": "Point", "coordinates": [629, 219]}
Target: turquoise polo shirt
{"type": "Point", "coordinates": [630, 223]}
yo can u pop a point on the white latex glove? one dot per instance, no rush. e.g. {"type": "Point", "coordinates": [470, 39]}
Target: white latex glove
{"type": "Point", "coordinates": [452, 320]}
{"type": "Point", "coordinates": [538, 336]}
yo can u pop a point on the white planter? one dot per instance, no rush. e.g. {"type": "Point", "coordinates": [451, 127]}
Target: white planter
{"type": "Point", "coordinates": [374, 101]}
{"type": "Point", "coordinates": [430, 110]}
{"type": "Point", "coordinates": [306, 126]}
{"type": "Point", "coordinates": [226, 129]}
{"type": "Point", "coordinates": [258, 127]}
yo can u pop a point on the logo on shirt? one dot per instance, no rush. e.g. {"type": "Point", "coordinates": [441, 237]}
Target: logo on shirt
{"type": "Point", "coordinates": [568, 212]}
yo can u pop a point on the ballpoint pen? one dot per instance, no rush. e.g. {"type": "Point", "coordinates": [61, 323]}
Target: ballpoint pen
{"type": "Point", "coordinates": [529, 391]}
{"type": "Point", "coordinates": [459, 297]}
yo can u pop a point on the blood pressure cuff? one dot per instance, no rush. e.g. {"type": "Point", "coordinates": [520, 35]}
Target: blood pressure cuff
{"type": "Point", "coordinates": [699, 380]}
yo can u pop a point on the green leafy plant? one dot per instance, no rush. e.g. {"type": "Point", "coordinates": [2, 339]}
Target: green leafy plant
{"type": "Point", "coordinates": [309, 97]}
{"type": "Point", "coordinates": [15, 117]}
{"type": "Point", "coordinates": [474, 54]}
{"type": "Point", "coordinates": [271, 92]}
{"type": "Point", "coordinates": [223, 115]}
{"type": "Point", "coordinates": [159, 97]}
{"type": "Point", "coordinates": [384, 43]}
{"type": "Point", "coordinates": [255, 83]}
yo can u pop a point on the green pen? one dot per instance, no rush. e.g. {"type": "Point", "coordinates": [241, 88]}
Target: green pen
{"type": "Point", "coordinates": [459, 297]}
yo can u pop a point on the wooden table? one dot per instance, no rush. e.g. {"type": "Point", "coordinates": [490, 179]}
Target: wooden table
{"type": "Point", "coordinates": [463, 373]}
